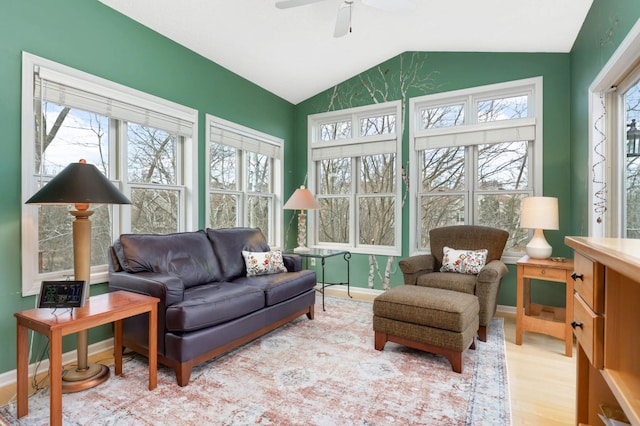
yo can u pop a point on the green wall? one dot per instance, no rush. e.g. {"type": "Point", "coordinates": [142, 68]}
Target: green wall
{"type": "Point", "coordinates": [606, 25]}
{"type": "Point", "coordinates": [88, 36]}
{"type": "Point", "coordinates": [425, 73]}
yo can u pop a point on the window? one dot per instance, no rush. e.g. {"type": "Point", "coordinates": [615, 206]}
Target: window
{"type": "Point", "coordinates": [354, 172]}
{"type": "Point", "coordinates": [478, 154]}
{"type": "Point", "coordinates": [631, 149]}
{"type": "Point", "coordinates": [244, 178]}
{"type": "Point", "coordinates": [140, 142]}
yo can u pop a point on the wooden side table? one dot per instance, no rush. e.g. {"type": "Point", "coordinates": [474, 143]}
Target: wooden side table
{"type": "Point", "coordinates": [550, 320]}
{"type": "Point", "coordinates": [102, 309]}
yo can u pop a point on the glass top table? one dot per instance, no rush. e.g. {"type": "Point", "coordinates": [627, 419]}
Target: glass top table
{"type": "Point", "coordinates": [323, 254]}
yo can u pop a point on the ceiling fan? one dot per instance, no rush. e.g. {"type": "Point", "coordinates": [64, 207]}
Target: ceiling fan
{"type": "Point", "coordinates": [343, 19]}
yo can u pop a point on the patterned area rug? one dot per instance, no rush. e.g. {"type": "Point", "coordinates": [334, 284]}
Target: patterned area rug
{"type": "Point", "coordinates": [320, 372]}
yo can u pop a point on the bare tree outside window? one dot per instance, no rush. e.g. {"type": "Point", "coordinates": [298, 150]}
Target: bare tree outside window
{"type": "Point", "coordinates": [242, 171]}
{"type": "Point", "coordinates": [373, 195]}
{"type": "Point", "coordinates": [334, 198]}
{"type": "Point", "coordinates": [153, 177]}
{"type": "Point", "coordinates": [632, 166]}
{"type": "Point", "coordinates": [69, 135]}
{"type": "Point", "coordinates": [486, 181]}
{"type": "Point", "coordinates": [223, 184]}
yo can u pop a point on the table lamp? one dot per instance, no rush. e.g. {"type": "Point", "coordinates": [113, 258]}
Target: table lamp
{"type": "Point", "coordinates": [81, 184]}
{"type": "Point", "coordinates": [539, 213]}
{"type": "Point", "coordinates": [302, 199]}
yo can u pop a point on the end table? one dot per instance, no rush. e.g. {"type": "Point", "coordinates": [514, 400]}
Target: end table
{"type": "Point", "coordinates": [550, 320]}
{"type": "Point", "coordinates": [323, 254]}
{"type": "Point", "coordinates": [102, 309]}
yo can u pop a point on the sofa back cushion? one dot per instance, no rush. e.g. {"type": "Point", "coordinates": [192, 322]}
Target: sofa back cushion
{"type": "Point", "coordinates": [187, 255]}
{"type": "Point", "coordinates": [228, 244]}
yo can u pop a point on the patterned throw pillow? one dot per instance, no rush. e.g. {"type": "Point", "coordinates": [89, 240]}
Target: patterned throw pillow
{"type": "Point", "coordinates": [263, 262]}
{"type": "Point", "coordinates": [463, 261]}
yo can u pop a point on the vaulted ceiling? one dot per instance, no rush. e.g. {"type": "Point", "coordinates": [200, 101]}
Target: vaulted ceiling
{"type": "Point", "coordinates": [293, 53]}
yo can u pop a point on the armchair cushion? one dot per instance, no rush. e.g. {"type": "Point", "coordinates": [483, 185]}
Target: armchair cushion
{"type": "Point", "coordinates": [463, 283]}
{"type": "Point", "coordinates": [463, 261]}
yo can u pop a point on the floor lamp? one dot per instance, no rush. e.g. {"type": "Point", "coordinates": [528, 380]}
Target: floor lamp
{"type": "Point", "coordinates": [302, 199]}
{"type": "Point", "coordinates": [81, 184]}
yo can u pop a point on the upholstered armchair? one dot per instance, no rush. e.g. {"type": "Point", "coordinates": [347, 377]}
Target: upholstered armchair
{"type": "Point", "coordinates": [424, 270]}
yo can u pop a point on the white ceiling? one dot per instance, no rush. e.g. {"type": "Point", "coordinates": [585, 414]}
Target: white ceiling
{"type": "Point", "coordinates": [293, 54]}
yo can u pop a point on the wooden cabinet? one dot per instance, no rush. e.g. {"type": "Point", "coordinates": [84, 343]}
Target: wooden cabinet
{"type": "Point", "coordinates": [606, 320]}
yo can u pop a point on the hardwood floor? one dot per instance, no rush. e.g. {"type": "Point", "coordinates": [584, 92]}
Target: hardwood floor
{"type": "Point", "coordinates": [541, 377]}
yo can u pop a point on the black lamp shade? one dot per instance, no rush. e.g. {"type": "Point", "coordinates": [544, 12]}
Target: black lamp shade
{"type": "Point", "coordinates": [79, 183]}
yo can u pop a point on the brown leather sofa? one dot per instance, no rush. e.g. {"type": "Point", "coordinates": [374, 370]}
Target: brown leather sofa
{"type": "Point", "coordinates": [208, 304]}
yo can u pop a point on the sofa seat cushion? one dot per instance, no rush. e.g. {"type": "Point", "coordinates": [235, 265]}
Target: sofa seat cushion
{"type": "Point", "coordinates": [449, 281]}
{"type": "Point", "coordinates": [187, 255]}
{"type": "Point", "coordinates": [280, 287]}
{"type": "Point", "coordinates": [210, 304]}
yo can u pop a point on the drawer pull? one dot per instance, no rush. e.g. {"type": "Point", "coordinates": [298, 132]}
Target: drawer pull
{"type": "Point", "coordinates": [577, 276]}
{"type": "Point", "coordinates": [575, 324]}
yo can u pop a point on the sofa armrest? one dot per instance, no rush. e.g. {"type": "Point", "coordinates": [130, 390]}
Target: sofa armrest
{"type": "Point", "coordinates": [414, 266]}
{"type": "Point", "coordinates": [487, 288]}
{"type": "Point", "coordinates": [168, 288]}
{"type": "Point", "coordinates": [293, 262]}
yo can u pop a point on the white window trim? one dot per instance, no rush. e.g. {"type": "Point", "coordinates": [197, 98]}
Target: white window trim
{"type": "Point", "coordinates": [606, 175]}
{"type": "Point", "coordinates": [354, 115]}
{"type": "Point", "coordinates": [31, 279]}
{"type": "Point", "coordinates": [531, 86]}
{"type": "Point", "coordinates": [277, 175]}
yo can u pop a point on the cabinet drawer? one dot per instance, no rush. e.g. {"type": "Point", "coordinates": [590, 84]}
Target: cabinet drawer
{"type": "Point", "coordinates": [589, 331]}
{"type": "Point", "coordinates": [543, 273]}
{"type": "Point", "coordinates": [589, 281]}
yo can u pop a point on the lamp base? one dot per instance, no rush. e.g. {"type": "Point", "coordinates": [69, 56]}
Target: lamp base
{"type": "Point", "coordinates": [79, 380]}
{"type": "Point", "coordinates": [301, 249]}
{"type": "Point", "coordinates": [538, 247]}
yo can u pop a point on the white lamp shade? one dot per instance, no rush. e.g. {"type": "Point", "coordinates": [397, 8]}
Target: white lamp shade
{"type": "Point", "coordinates": [302, 199]}
{"type": "Point", "coordinates": [539, 213]}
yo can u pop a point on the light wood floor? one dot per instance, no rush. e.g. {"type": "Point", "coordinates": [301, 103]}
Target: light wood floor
{"type": "Point", "coordinates": [541, 379]}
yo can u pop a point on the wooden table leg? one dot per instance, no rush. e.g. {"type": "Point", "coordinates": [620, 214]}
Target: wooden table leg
{"type": "Point", "coordinates": [55, 377]}
{"type": "Point", "coordinates": [568, 334]}
{"type": "Point", "coordinates": [153, 346]}
{"type": "Point", "coordinates": [23, 370]}
{"type": "Point", "coordinates": [519, 304]}
{"type": "Point", "coordinates": [117, 347]}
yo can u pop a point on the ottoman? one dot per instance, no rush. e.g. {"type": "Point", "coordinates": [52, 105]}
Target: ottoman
{"type": "Point", "coordinates": [435, 320]}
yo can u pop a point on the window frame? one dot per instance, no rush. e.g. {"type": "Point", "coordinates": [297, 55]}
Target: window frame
{"type": "Point", "coordinates": [102, 88]}
{"type": "Point", "coordinates": [273, 144]}
{"type": "Point", "coordinates": [356, 143]}
{"type": "Point", "coordinates": [464, 134]}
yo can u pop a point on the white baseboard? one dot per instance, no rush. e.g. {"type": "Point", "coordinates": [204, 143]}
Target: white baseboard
{"type": "Point", "coordinates": [9, 377]}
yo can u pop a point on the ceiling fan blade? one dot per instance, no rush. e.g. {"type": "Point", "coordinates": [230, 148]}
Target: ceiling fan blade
{"type": "Point", "coordinates": [286, 4]}
{"type": "Point", "coordinates": [391, 5]}
{"type": "Point", "coordinates": [343, 20]}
